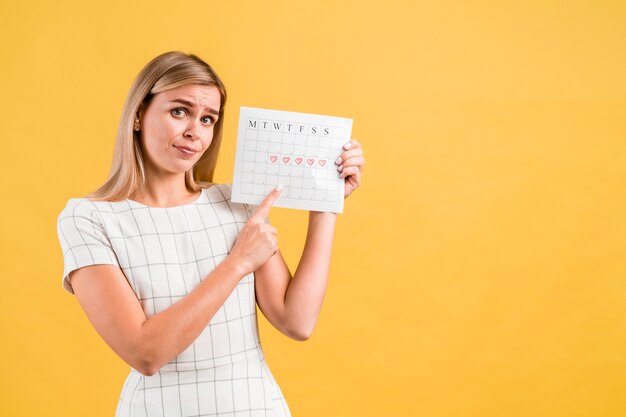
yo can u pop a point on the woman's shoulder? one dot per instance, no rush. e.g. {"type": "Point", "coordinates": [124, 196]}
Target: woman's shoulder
{"type": "Point", "coordinates": [85, 208]}
{"type": "Point", "coordinates": [221, 194]}
{"type": "Point", "coordinates": [80, 205]}
{"type": "Point", "coordinates": [78, 215]}
{"type": "Point", "coordinates": [217, 192]}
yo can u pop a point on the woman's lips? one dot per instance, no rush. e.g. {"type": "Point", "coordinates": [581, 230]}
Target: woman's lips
{"type": "Point", "coordinates": [185, 150]}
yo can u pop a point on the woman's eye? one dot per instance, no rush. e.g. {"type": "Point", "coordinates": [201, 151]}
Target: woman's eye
{"type": "Point", "coordinates": [178, 112]}
{"type": "Point", "coordinates": [207, 120]}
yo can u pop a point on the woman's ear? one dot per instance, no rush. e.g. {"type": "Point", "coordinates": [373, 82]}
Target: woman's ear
{"type": "Point", "coordinates": [137, 120]}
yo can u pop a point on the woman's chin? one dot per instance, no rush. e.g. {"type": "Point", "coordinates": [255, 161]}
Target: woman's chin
{"type": "Point", "coordinates": [176, 169]}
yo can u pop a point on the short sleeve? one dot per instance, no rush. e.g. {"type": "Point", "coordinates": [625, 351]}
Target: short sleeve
{"type": "Point", "coordinates": [83, 239]}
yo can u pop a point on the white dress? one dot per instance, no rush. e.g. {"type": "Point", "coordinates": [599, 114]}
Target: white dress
{"type": "Point", "coordinates": [164, 253]}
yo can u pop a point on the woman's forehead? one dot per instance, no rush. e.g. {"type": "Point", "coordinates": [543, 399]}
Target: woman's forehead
{"type": "Point", "coordinates": [194, 94]}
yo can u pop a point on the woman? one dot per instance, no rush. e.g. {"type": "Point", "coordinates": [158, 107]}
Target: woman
{"type": "Point", "coordinates": [168, 269]}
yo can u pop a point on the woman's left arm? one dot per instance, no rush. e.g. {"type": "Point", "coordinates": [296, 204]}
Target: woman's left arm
{"type": "Point", "coordinates": [293, 304]}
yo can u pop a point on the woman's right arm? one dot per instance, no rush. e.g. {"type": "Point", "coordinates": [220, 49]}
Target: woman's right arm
{"type": "Point", "coordinates": [147, 344]}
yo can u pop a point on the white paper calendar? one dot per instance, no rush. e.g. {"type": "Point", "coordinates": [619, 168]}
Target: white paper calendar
{"type": "Point", "coordinates": [296, 150]}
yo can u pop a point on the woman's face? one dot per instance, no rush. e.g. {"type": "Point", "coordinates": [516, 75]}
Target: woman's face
{"type": "Point", "coordinates": [177, 127]}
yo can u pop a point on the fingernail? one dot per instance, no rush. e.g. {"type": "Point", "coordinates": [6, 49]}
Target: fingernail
{"type": "Point", "coordinates": [340, 168]}
{"type": "Point", "coordinates": [279, 187]}
{"type": "Point", "coordinates": [347, 145]}
{"type": "Point", "coordinates": [338, 161]}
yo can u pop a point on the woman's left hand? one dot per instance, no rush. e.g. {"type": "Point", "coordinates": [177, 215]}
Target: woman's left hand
{"type": "Point", "coordinates": [350, 165]}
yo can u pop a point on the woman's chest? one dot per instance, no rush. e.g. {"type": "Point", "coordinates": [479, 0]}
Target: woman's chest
{"type": "Point", "coordinates": [167, 252]}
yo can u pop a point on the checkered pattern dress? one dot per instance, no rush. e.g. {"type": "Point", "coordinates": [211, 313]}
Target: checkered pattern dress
{"type": "Point", "coordinates": [164, 253]}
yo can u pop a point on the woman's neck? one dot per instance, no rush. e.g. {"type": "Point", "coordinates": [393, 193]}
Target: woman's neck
{"type": "Point", "coordinates": [165, 191]}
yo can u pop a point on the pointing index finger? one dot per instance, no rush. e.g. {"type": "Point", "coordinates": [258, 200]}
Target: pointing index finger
{"type": "Point", "coordinates": [263, 210]}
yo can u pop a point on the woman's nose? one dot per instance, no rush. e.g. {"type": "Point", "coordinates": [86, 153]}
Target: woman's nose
{"type": "Point", "coordinates": [193, 129]}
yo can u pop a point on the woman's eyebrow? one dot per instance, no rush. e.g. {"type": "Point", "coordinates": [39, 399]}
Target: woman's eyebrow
{"type": "Point", "coordinates": [190, 104]}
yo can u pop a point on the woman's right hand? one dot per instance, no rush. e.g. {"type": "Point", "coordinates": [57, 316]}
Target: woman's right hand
{"type": "Point", "coordinates": [257, 240]}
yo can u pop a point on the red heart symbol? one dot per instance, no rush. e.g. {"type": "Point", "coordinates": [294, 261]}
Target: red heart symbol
{"type": "Point", "coordinates": [273, 158]}
{"type": "Point", "coordinates": [322, 162]}
{"type": "Point", "coordinates": [298, 161]}
{"type": "Point", "coordinates": [310, 161]}
{"type": "Point", "coordinates": [286, 159]}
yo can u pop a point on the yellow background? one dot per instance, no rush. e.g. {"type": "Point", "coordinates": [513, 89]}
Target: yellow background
{"type": "Point", "coordinates": [479, 271]}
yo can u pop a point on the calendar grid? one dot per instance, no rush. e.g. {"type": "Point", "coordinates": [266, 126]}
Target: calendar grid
{"type": "Point", "coordinates": [295, 150]}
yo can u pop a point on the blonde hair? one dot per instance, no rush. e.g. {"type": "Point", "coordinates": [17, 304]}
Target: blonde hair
{"type": "Point", "coordinates": [165, 72]}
